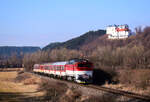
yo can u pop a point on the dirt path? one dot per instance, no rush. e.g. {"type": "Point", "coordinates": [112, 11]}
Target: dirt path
{"type": "Point", "coordinates": [11, 91]}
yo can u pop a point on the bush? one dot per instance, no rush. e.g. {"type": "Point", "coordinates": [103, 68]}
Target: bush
{"type": "Point", "coordinates": [22, 77]}
{"type": "Point", "coordinates": [53, 90]}
{"type": "Point", "coordinates": [104, 98]}
{"type": "Point", "coordinates": [139, 78]}
{"type": "Point", "coordinates": [72, 95]}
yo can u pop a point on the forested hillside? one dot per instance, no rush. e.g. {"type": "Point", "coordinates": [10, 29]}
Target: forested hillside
{"type": "Point", "coordinates": [141, 38]}
{"type": "Point", "coordinates": [11, 56]}
{"type": "Point", "coordinates": [77, 42]}
{"type": "Point", "coordinates": [133, 52]}
{"type": "Point", "coordinates": [9, 50]}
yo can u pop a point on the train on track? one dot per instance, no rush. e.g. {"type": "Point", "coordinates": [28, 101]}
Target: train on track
{"type": "Point", "coordinates": [78, 70]}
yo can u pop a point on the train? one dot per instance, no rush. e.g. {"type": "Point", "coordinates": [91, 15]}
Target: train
{"type": "Point", "coordinates": [78, 70]}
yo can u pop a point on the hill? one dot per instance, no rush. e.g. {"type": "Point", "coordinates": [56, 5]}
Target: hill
{"type": "Point", "coordinates": [9, 50]}
{"type": "Point", "coordinates": [77, 42]}
{"type": "Point", "coordinates": [141, 38]}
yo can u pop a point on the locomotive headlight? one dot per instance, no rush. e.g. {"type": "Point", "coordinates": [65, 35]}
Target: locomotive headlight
{"type": "Point", "coordinates": [85, 76]}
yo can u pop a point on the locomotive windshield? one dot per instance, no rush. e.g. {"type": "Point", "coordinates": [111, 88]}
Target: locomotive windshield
{"type": "Point", "coordinates": [76, 60]}
{"type": "Point", "coordinates": [84, 65]}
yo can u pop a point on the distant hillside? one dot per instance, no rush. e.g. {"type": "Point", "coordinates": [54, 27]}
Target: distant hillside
{"type": "Point", "coordinates": [141, 38]}
{"type": "Point", "coordinates": [77, 42]}
{"type": "Point", "coordinates": [9, 50]}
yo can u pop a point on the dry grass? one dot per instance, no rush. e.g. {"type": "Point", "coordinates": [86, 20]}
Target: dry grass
{"type": "Point", "coordinates": [129, 88]}
{"type": "Point", "coordinates": [136, 80]}
{"type": "Point", "coordinates": [27, 79]}
{"type": "Point", "coordinates": [6, 84]}
{"type": "Point", "coordinates": [16, 92]}
{"type": "Point", "coordinates": [72, 95]}
{"type": "Point", "coordinates": [11, 69]}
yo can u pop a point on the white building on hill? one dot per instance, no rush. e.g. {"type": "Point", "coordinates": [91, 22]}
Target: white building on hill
{"type": "Point", "coordinates": [118, 31]}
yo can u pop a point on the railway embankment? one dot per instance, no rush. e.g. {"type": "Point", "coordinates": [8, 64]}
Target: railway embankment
{"type": "Point", "coordinates": [102, 94]}
{"type": "Point", "coordinates": [19, 86]}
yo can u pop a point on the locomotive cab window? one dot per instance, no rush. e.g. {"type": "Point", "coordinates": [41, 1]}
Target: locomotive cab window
{"type": "Point", "coordinates": [84, 65]}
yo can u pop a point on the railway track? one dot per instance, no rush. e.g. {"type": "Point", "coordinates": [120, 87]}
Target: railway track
{"type": "Point", "coordinates": [123, 93]}
{"type": "Point", "coordinates": [110, 90]}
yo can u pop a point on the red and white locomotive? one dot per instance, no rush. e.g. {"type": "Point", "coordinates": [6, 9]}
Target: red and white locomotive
{"type": "Point", "coordinates": [79, 70]}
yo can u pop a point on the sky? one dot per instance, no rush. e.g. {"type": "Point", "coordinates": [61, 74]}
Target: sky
{"type": "Point", "coordinates": [40, 22]}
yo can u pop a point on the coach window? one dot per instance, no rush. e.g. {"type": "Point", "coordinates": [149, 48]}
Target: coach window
{"type": "Point", "coordinates": [58, 67]}
{"type": "Point", "coordinates": [50, 67]}
{"type": "Point", "coordinates": [54, 67]}
{"type": "Point", "coordinates": [62, 67]}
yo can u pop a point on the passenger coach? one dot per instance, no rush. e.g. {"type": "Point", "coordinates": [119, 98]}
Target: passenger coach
{"type": "Point", "coordinates": [78, 70]}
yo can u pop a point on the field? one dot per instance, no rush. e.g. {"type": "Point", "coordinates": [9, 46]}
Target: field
{"type": "Point", "coordinates": [12, 91]}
